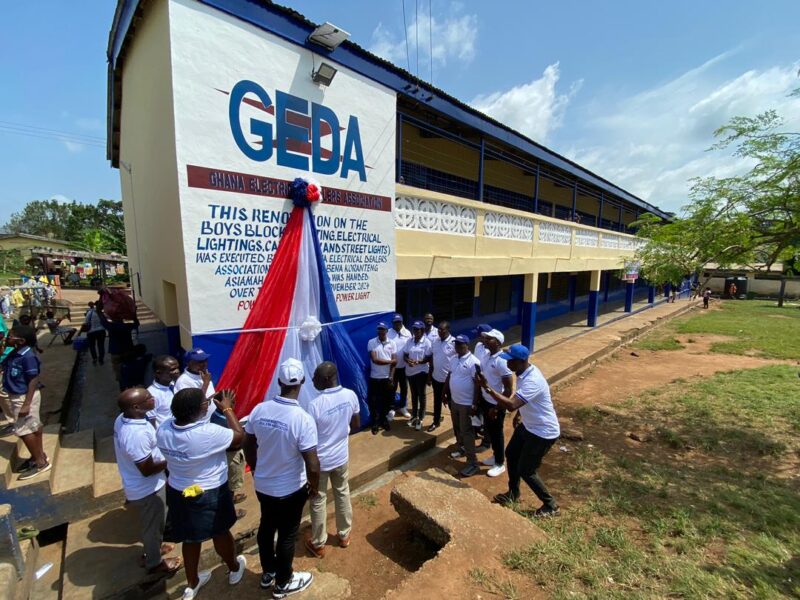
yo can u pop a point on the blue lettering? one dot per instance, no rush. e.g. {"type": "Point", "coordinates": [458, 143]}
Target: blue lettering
{"type": "Point", "coordinates": [259, 128]}
{"type": "Point", "coordinates": [352, 143]}
{"type": "Point", "coordinates": [322, 114]}
{"type": "Point", "coordinates": [288, 131]}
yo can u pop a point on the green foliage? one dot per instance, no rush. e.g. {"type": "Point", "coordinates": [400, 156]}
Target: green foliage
{"type": "Point", "coordinates": [91, 227]}
{"type": "Point", "coordinates": [708, 512]}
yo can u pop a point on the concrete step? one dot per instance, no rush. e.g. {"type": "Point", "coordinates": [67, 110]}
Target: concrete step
{"type": "Point", "coordinates": [8, 451]}
{"type": "Point", "coordinates": [50, 443]}
{"type": "Point", "coordinates": [48, 587]}
{"type": "Point", "coordinates": [106, 475]}
{"type": "Point", "coordinates": [73, 467]}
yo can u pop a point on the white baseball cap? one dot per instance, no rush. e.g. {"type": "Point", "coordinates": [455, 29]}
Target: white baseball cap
{"type": "Point", "coordinates": [498, 335]}
{"type": "Point", "coordinates": [291, 372]}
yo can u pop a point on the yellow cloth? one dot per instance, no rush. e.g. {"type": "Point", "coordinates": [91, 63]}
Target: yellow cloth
{"type": "Point", "coordinates": [192, 491]}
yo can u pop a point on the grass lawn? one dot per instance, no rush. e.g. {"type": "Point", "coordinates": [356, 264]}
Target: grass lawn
{"type": "Point", "coordinates": [709, 508]}
{"type": "Point", "coordinates": [756, 327]}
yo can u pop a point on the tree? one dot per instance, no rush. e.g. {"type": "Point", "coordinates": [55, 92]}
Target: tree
{"type": "Point", "coordinates": [752, 219]}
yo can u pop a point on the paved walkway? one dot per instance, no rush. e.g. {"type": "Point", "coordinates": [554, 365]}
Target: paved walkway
{"type": "Point", "coordinates": [107, 543]}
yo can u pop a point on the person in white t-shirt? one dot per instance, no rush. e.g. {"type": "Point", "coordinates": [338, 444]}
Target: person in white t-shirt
{"type": "Point", "coordinates": [462, 395]}
{"type": "Point", "coordinates": [500, 379]}
{"type": "Point", "coordinates": [480, 348]}
{"type": "Point", "coordinates": [399, 336]}
{"type": "Point", "coordinates": [141, 468]}
{"type": "Point", "coordinates": [442, 352]}
{"type": "Point", "coordinates": [417, 355]}
{"type": "Point", "coordinates": [165, 372]}
{"type": "Point", "coordinates": [199, 500]}
{"type": "Point", "coordinates": [431, 332]}
{"type": "Point", "coordinates": [336, 413]}
{"type": "Point", "coordinates": [383, 358]}
{"type": "Point", "coordinates": [533, 438]}
{"type": "Point", "coordinates": [281, 449]}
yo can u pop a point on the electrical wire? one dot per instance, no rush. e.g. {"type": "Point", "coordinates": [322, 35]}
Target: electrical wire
{"type": "Point", "coordinates": [405, 32]}
{"type": "Point", "coordinates": [54, 137]}
{"type": "Point", "coordinates": [45, 129]}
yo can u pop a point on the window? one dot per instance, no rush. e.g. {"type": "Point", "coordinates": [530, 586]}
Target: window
{"type": "Point", "coordinates": [495, 295]}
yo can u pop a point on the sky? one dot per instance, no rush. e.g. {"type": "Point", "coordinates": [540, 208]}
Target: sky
{"type": "Point", "coordinates": [631, 90]}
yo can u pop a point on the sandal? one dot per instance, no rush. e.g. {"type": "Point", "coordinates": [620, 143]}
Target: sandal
{"type": "Point", "coordinates": [167, 567]}
{"type": "Point", "coordinates": [27, 533]}
{"type": "Point", "coordinates": [166, 548]}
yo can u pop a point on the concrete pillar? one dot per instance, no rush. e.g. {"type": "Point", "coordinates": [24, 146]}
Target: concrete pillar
{"type": "Point", "coordinates": [529, 293]}
{"type": "Point", "coordinates": [549, 288]}
{"type": "Point", "coordinates": [629, 289]}
{"type": "Point", "coordinates": [594, 298]}
{"type": "Point", "coordinates": [476, 297]}
{"type": "Point", "coordinates": [651, 293]}
{"type": "Point", "coordinates": [572, 286]}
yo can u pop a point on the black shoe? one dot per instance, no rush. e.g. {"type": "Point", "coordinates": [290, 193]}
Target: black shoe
{"type": "Point", "coordinates": [375, 430]}
{"type": "Point", "coordinates": [267, 581]}
{"type": "Point", "coordinates": [386, 426]}
{"type": "Point", "coordinates": [432, 427]}
{"type": "Point", "coordinates": [546, 512]}
{"type": "Point", "coordinates": [504, 499]}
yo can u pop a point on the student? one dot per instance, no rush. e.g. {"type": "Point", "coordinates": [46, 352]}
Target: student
{"type": "Point", "coordinates": [21, 369]}
{"type": "Point", "coordinates": [500, 379]}
{"type": "Point", "coordinates": [165, 372]}
{"type": "Point", "coordinates": [417, 355]}
{"type": "Point", "coordinates": [281, 450]}
{"type": "Point", "coordinates": [336, 414]}
{"type": "Point", "coordinates": [141, 468]}
{"type": "Point", "coordinates": [442, 352]}
{"type": "Point", "coordinates": [534, 437]}
{"type": "Point", "coordinates": [399, 336]}
{"type": "Point", "coordinates": [383, 358]}
{"type": "Point", "coordinates": [461, 392]}
{"type": "Point", "coordinates": [199, 501]}
{"type": "Point", "coordinates": [95, 334]}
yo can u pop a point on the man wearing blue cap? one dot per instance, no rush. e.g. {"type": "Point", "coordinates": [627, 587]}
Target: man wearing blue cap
{"type": "Point", "coordinates": [480, 348]}
{"type": "Point", "coordinates": [382, 356]}
{"type": "Point", "coordinates": [463, 396]}
{"type": "Point", "coordinates": [535, 436]}
{"type": "Point", "coordinates": [399, 336]}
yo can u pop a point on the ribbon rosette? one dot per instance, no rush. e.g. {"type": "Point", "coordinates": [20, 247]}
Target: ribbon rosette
{"type": "Point", "coordinates": [310, 329]}
{"type": "Point", "coordinates": [304, 192]}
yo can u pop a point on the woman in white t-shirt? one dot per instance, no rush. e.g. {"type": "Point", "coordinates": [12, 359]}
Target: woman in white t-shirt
{"type": "Point", "coordinates": [199, 501]}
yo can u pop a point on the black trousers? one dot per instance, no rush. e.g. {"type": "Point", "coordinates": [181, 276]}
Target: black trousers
{"type": "Point", "coordinates": [418, 384]}
{"type": "Point", "coordinates": [438, 397]}
{"type": "Point", "coordinates": [524, 455]}
{"type": "Point", "coordinates": [281, 515]}
{"type": "Point", "coordinates": [493, 430]}
{"type": "Point", "coordinates": [97, 344]}
{"type": "Point", "coordinates": [379, 399]}
{"type": "Point", "coordinates": [401, 381]}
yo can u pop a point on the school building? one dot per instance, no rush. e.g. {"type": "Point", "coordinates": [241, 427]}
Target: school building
{"type": "Point", "coordinates": [429, 205]}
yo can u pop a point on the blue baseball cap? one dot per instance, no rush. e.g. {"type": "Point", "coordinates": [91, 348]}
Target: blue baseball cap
{"type": "Point", "coordinates": [462, 339]}
{"type": "Point", "coordinates": [382, 325]}
{"type": "Point", "coordinates": [483, 328]}
{"type": "Point", "coordinates": [516, 351]}
{"type": "Point", "coordinates": [418, 325]}
{"type": "Point", "coordinates": [197, 354]}
{"type": "Point", "coordinates": [397, 317]}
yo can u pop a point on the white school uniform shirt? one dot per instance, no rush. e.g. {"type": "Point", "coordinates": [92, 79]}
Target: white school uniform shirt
{"type": "Point", "coordinates": [163, 395]}
{"type": "Point", "coordinates": [192, 380]}
{"type": "Point", "coordinates": [134, 442]}
{"type": "Point", "coordinates": [283, 431]}
{"type": "Point", "coordinates": [417, 351]}
{"type": "Point", "coordinates": [494, 368]}
{"type": "Point", "coordinates": [384, 350]}
{"type": "Point", "coordinates": [537, 412]}
{"type": "Point", "coordinates": [443, 352]}
{"type": "Point", "coordinates": [93, 321]}
{"type": "Point", "coordinates": [462, 378]}
{"type": "Point", "coordinates": [399, 340]}
{"type": "Point", "coordinates": [332, 410]}
{"type": "Point", "coordinates": [195, 453]}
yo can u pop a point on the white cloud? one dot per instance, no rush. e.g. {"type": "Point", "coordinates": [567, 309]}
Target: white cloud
{"type": "Point", "coordinates": [653, 142]}
{"type": "Point", "coordinates": [60, 198]}
{"type": "Point", "coordinates": [445, 38]}
{"type": "Point", "coordinates": [72, 146]}
{"type": "Point", "coordinates": [535, 109]}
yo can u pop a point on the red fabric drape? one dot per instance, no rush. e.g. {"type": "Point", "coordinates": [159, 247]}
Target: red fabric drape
{"type": "Point", "coordinates": [251, 366]}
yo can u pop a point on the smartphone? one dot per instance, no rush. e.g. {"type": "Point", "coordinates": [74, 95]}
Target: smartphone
{"type": "Point", "coordinates": [477, 369]}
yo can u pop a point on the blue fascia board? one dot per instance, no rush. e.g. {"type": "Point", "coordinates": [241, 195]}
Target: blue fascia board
{"type": "Point", "coordinates": [295, 28]}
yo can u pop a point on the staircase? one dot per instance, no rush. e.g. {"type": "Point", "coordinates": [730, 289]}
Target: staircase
{"type": "Point", "coordinates": [83, 480]}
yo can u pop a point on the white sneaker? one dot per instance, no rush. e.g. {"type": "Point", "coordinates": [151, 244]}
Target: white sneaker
{"type": "Point", "coordinates": [300, 580]}
{"type": "Point", "coordinates": [496, 471]}
{"type": "Point", "coordinates": [412, 423]}
{"type": "Point", "coordinates": [404, 412]}
{"type": "Point", "coordinates": [418, 426]}
{"type": "Point", "coordinates": [390, 416]}
{"type": "Point", "coordinates": [235, 577]}
{"type": "Point", "coordinates": [488, 461]}
{"type": "Point", "coordinates": [191, 593]}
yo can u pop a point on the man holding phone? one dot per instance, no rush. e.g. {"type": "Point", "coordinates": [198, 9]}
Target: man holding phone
{"type": "Point", "coordinates": [463, 395]}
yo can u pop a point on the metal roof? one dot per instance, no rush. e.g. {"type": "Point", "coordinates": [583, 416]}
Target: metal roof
{"type": "Point", "coordinates": [294, 27]}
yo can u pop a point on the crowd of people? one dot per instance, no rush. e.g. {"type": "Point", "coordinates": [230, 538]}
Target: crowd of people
{"type": "Point", "coordinates": [181, 450]}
